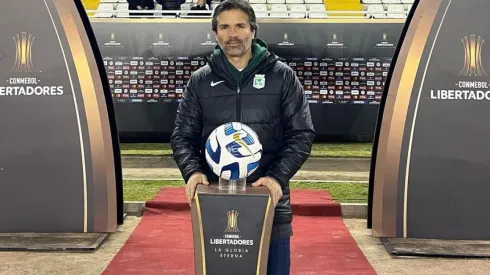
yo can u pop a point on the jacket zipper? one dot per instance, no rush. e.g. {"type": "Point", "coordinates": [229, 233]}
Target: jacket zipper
{"type": "Point", "coordinates": [238, 102]}
{"type": "Point", "coordinates": [238, 106]}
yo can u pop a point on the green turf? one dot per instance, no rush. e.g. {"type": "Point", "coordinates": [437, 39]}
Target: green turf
{"type": "Point", "coordinates": [319, 149]}
{"type": "Point", "coordinates": [150, 149]}
{"type": "Point", "coordinates": [143, 190]}
{"type": "Point", "coordinates": [341, 150]}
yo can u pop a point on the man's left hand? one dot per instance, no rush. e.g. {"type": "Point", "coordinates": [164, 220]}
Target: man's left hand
{"type": "Point", "coordinates": [274, 187]}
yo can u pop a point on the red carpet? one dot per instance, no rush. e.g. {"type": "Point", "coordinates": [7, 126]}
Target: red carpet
{"type": "Point", "coordinates": [162, 242]}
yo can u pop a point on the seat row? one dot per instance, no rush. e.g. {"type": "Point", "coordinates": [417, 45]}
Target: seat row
{"type": "Point", "coordinates": [263, 9]}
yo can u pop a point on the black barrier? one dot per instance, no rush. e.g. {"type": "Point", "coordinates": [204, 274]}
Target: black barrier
{"type": "Point", "coordinates": [430, 171]}
{"type": "Point", "coordinates": [342, 65]}
{"type": "Point", "coordinates": [60, 167]}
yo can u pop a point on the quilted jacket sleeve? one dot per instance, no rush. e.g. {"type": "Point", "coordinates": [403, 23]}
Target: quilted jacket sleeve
{"type": "Point", "coordinates": [298, 131]}
{"type": "Point", "coordinates": [186, 136]}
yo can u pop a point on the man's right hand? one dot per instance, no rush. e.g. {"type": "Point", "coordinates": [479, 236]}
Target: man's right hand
{"type": "Point", "coordinates": [194, 180]}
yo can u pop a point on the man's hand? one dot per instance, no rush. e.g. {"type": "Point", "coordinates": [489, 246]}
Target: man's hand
{"type": "Point", "coordinates": [274, 188]}
{"type": "Point", "coordinates": [194, 180]}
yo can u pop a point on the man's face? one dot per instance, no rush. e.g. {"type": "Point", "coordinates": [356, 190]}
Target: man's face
{"type": "Point", "coordinates": [234, 33]}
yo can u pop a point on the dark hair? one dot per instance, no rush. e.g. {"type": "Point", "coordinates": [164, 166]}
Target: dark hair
{"type": "Point", "coordinates": [242, 5]}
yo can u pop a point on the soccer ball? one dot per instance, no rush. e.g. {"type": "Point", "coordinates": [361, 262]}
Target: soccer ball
{"type": "Point", "coordinates": [233, 151]}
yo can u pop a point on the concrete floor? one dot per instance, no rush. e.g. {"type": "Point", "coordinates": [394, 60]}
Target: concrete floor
{"type": "Point", "coordinates": [383, 263]}
{"type": "Point", "coordinates": [13, 263]}
{"type": "Point", "coordinates": [41, 263]}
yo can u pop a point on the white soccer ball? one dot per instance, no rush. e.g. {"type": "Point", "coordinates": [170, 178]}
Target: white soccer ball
{"type": "Point", "coordinates": [233, 151]}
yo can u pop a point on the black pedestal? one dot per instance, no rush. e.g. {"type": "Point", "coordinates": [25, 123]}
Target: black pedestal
{"type": "Point", "coordinates": [231, 231]}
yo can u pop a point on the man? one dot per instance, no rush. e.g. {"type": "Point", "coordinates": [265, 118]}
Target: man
{"type": "Point", "coordinates": [140, 5]}
{"type": "Point", "coordinates": [170, 4]}
{"type": "Point", "coordinates": [200, 6]}
{"type": "Point", "coordinates": [244, 82]}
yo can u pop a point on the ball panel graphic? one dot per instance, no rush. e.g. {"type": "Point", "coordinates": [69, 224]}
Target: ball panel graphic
{"type": "Point", "coordinates": [233, 151]}
{"type": "Point", "coordinates": [213, 149]}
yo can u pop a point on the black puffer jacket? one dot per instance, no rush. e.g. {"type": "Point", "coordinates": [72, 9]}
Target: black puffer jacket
{"type": "Point", "coordinates": [278, 113]}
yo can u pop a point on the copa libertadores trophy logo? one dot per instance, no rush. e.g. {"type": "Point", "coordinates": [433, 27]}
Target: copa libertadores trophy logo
{"type": "Point", "coordinates": [25, 80]}
{"type": "Point", "coordinates": [335, 42]}
{"type": "Point", "coordinates": [231, 244]}
{"type": "Point", "coordinates": [464, 88]}
{"type": "Point", "coordinates": [472, 56]}
{"type": "Point", "coordinates": [285, 41]}
{"type": "Point", "coordinates": [232, 222]}
{"type": "Point", "coordinates": [23, 53]}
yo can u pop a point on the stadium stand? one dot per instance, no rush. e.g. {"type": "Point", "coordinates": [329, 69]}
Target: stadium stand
{"type": "Point", "coordinates": [396, 9]}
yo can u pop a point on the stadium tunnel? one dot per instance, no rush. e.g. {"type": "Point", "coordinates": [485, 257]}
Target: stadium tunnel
{"type": "Point", "coordinates": [343, 71]}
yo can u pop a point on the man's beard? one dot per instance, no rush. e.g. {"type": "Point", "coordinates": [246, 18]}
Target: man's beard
{"type": "Point", "coordinates": [237, 49]}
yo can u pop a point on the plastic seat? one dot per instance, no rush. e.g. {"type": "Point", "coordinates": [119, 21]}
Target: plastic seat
{"type": "Point", "coordinates": [278, 11]}
{"type": "Point", "coordinates": [122, 10]}
{"type": "Point", "coordinates": [314, 2]}
{"type": "Point", "coordinates": [297, 11]}
{"type": "Point", "coordinates": [316, 11]}
{"type": "Point", "coordinates": [260, 10]}
{"type": "Point", "coordinates": [276, 1]}
{"type": "Point", "coordinates": [105, 10]}
{"type": "Point", "coordinates": [376, 11]}
{"type": "Point", "coordinates": [396, 8]}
